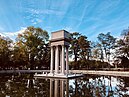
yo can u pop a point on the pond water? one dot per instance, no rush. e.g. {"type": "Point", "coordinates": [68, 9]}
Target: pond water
{"type": "Point", "coordinates": [25, 85]}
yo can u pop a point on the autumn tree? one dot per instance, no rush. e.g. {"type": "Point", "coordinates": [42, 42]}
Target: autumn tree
{"type": "Point", "coordinates": [34, 44]}
{"type": "Point", "coordinates": [5, 51]}
{"type": "Point", "coordinates": [84, 52]}
{"type": "Point", "coordinates": [79, 48]}
{"type": "Point", "coordinates": [84, 46]}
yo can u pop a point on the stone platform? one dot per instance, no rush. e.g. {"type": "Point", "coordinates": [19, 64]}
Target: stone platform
{"type": "Point", "coordinates": [63, 76]}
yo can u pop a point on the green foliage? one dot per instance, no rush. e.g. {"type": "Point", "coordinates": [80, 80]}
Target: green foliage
{"type": "Point", "coordinates": [79, 48]}
{"type": "Point", "coordinates": [88, 64]}
{"type": "Point", "coordinates": [122, 49]}
{"type": "Point", "coordinates": [30, 50]}
{"type": "Point", "coordinates": [5, 51]}
{"type": "Point", "coordinates": [74, 46]}
{"type": "Point", "coordinates": [123, 43]}
{"type": "Point", "coordinates": [33, 46]}
{"type": "Point", "coordinates": [107, 42]}
{"type": "Point", "coordinates": [84, 45]}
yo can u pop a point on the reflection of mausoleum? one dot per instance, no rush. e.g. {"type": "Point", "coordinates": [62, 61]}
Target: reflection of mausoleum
{"type": "Point", "coordinates": [59, 88]}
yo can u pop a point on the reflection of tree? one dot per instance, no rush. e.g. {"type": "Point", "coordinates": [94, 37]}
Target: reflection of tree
{"type": "Point", "coordinates": [81, 89]}
{"type": "Point", "coordinates": [23, 86]}
{"type": "Point", "coordinates": [98, 86]}
{"type": "Point", "coordinates": [123, 88]}
{"type": "Point", "coordinates": [89, 86]}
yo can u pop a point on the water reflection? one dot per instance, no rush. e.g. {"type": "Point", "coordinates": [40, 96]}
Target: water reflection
{"type": "Point", "coordinates": [26, 85]}
{"type": "Point", "coordinates": [59, 87]}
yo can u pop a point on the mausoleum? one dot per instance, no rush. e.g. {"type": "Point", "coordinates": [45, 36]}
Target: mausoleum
{"type": "Point", "coordinates": [59, 66]}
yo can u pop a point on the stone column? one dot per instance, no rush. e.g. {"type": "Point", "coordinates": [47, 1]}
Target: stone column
{"type": "Point", "coordinates": [51, 67]}
{"type": "Point", "coordinates": [67, 61]}
{"type": "Point", "coordinates": [63, 59]}
{"type": "Point", "coordinates": [57, 60]}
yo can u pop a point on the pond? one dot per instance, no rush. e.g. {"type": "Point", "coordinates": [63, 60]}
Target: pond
{"type": "Point", "coordinates": [25, 85]}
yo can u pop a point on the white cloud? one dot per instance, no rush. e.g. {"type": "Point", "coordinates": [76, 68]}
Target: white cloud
{"type": "Point", "coordinates": [36, 21]}
{"type": "Point", "coordinates": [12, 34]}
{"type": "Point", "coordinates": [2, 34]}
{"type": "Point", "coordinates": [46, 11]}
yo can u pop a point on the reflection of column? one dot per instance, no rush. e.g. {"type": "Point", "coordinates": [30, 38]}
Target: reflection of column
{"type": "Point", "coordinates": [67, 88]}
{"type": "Point", "coordinates": [56, 89]}
{"type": "Point", "coordinates": [51, 70]}
{"type": "Point", "coordinates": [57, 60]}
{"type": "Point", "coordinates": [63, 59]}
{"type": "Point", "coordinates": [67, 60]}
{"type": "Point", "coordinates": [61, 88]}
{"type": "Point", "coordinates": [51, 88]}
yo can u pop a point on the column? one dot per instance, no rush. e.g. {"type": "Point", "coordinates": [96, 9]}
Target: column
{"type": "Point", "coordinates": [63, 59]}
{"type": "Point", "coordinates": [67, 61]}
{"type": "Point", "coordinates": [57, 60]}
{"type": "Point", "coordinates": [51, 67]}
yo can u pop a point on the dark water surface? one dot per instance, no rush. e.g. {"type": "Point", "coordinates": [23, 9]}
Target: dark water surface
{"type": "Point", "coordinates": [25, 85]}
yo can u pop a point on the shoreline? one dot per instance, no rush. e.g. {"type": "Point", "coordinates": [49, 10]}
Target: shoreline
{"type": "Point", "coordinates": [109, 73]}
{"type": "Point", "coordinates": [106, 73]}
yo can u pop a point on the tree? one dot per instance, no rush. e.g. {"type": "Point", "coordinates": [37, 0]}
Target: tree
{"type": "Point", "coordinates": [97, 51]}
{"type": "Point", "coordinates": [123, 43]}
{"type": "Point", "coordinates": [34, 41]}
{"type": "Point", "coordinates": [108, 43]}
{"type": "Point", "coordinates": [5, 51]}
{"type": "Point", "coordinates": [74, 47]}
{"type": "Point", "coordinates": [122, 49]}
{"type": "Point", "coordinates": [79, 49]}
{"type": "Point", "coordinates": [84, 46]}
{"type": "Point", "coordinates": [20, 57]}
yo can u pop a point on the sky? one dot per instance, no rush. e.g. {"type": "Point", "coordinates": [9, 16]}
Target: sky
{"type": "Point", "coordinates": [88, 17]}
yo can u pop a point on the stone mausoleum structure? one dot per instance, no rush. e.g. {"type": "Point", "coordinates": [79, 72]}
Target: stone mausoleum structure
{"type": "Point", "coordinates": [59, 45]}
{"type": "Point", "coordinates": [59, 52]}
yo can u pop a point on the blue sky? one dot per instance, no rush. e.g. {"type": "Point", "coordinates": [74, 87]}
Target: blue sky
{"type": "Point", "coordinates": [89, 17]}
